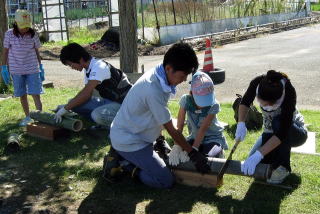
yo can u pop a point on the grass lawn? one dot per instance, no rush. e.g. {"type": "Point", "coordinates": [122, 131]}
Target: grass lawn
{"type": "Point", "coordinates": [64, 176]}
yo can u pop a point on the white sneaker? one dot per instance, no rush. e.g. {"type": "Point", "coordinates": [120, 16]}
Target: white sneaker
{"type": "Point", "coordinates": [278, 175]}
{"type": "Point", "coordinates": [25, 121]}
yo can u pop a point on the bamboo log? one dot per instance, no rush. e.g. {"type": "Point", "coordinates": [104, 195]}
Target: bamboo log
{"type": "Point", "coordinates": [13, 143]}
{"type": "Point", "coordinates": [67, 123]}
{"type": "Point", "coordinates": [262, 171]}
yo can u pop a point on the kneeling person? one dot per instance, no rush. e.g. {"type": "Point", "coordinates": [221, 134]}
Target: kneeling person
{"type": "Point", "coordinates": [144, 112]}
{"type": "Point", "coordinates": [111, 84]}
{"type": "Point", "coordinates": [202, 108]}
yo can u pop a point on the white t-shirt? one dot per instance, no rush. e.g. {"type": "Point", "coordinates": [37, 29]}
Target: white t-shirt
{"type": "Point", "coordinates": [141, 116]}
{"type": "Point", "coordinates": [98, 70]}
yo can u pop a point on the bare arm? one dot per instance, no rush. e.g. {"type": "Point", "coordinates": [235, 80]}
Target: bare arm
{"type": "Point", "coordinates": [270, 145]}
{"type": "Point", "coordinates": [177, 136]}
{"type": "Point", "coordinates": [38, 55]}
{"type": "Point", "coordinates": [243, 111]}
{"type": "Point", "coordinates": [5, 56]}
{"type": "Point", "coordinates": [83, 95]}
{"type": "Point", "coordinates": [203, 129]}
{"type": "Point", "coordinates": [181, 119]}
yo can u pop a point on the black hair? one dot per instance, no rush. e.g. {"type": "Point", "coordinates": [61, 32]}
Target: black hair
{"type": "Point", "coordinates": [73, 52]}
{"type": "Point", "coordinates": [182, 58]}
{"type": "Point", "coordinates": [270, 87]}
{"type": "Point", "coordinates": [16, 32]}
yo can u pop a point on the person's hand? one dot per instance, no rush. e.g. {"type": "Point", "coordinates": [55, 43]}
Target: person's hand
{"type": "Point", "coordinates": [41, 72]}
{"type": "Point", "coordinates": [177, 156]}
{"type": "Point", "coordinates": [241, 131]}
{"type": "Point", "coordinates": [174, 155]}
{"type": "Point", "coordinates": [59, 114]}
{"type": "Point", "coordinates": [249, 166]}
{"type": "Point", "coordinates": [5, 74]}
{"type": "Point", "coordinates": [58, 108]}
{"type": "Point", "coordinates": [199, 160]}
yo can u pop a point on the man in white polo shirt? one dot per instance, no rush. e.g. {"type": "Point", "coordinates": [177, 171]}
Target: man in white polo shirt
{"type": "Point", "coordinates": [111, 84]}
{"type": "Point", "coordinates": [143, 114]}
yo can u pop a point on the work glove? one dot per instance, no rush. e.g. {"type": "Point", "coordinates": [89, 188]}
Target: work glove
{"type": "Point", "coordinates": [177, 155]}
{"type": "Point", "coordinates": [59, 114]}
{"type": "Point", "coordinates": [58, 108]}
{"type": "Point", "coordinates": [241, 131]}
{"type": "Point", "coordinates": [5, 74]}
{"type": "Point", "coordinates": [41, 72]}
{"type": "Point", "coordinates": [199, 160]}
{"type": "Point", "coordinates": [249, 166]}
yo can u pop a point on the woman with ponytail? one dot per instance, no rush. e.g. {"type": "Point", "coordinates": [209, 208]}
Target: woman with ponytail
{"type": "Point", "coordinates": [283, 124]}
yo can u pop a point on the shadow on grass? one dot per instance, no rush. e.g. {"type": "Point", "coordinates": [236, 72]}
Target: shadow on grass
{"type": "Point", "coordinates": [37, 176]}
{"type": "Point", "coordinates": [127, 197]}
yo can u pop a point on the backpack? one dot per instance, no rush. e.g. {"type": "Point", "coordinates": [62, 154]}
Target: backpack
{"type": "Point", "coordinates": [254, 119]}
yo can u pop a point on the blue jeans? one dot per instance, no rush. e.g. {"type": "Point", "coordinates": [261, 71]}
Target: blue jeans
{"type": "Point", "coordinates": [153, 170]}
{"type": "Point", "coordinates": [86, 108]}
{"type": "Point", "coordinates": [297, 135]}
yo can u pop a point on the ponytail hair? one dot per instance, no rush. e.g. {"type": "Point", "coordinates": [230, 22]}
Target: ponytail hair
{"type": "Point", "coordinates": [271, 86]}
{"type": "Point", "coordinates": [17, 33]}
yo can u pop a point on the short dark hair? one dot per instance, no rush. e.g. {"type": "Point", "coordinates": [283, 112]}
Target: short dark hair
{"type": "Point", "coordinates": [270, 87]}
{"type": "Point", "coordinates": [181, 57]}
{"type": "Point", "coordinates": [73, 52]}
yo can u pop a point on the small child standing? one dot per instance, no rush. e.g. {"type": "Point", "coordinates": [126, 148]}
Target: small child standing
{"type": "Point", "coordinates": [202, 108]}
{"type": "Point", "coordinates": [22, 57]}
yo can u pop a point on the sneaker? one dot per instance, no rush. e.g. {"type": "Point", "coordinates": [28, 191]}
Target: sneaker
{"type": "Point", "coordinates": [111, 166]}
{"type": "Point", "coordinates": [162, 147]}
{"type": "Point", "coordinates": [278, 175]}
{"type": "Point", "coordinates": [25, 121]}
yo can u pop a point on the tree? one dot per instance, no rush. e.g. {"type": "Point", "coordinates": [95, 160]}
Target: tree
{"type": "Point", "coordinates": [3, 28]}
{"type": "Point", "coordinates": [128, 36]}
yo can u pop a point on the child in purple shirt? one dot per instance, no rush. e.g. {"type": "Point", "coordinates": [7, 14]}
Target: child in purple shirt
{"type": "Point", "coordinates": [22, 57]}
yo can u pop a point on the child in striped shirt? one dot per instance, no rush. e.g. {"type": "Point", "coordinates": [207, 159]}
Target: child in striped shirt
{"type": "Point", "coordinates": [22, 57]}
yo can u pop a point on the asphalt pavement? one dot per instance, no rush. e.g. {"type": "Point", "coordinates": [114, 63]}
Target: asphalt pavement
{"type": "Point", "coordinates": [295, 52]}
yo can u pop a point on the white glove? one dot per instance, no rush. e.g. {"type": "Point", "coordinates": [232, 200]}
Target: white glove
{"type": "Point", "coordinates": [58, 108]}
{"type": "Point", "coordinates": [59, 114]}
{"type": "Point", "coordinates": [249, 166]}
{"type": "Point", "coordinates": [241, 131]}
{"type": "Point", "coordinates": [177, 155]}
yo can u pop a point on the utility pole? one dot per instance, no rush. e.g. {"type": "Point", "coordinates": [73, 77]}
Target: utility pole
{"type": "Point", "coordinates": [128, 36]}
{"type": "Point", "coordinates": [3, 29]}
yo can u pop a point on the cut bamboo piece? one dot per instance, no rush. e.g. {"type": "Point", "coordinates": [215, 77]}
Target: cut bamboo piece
{"type": "Point", "coordinates": [67, 123]}
{"type": "Point", "coordinates": [13, 143]}
{"type": "Point", "coordinates": [262, 171]}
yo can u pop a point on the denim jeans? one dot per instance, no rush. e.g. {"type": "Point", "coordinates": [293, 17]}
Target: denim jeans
{"type": "Point", "coordinates": [154, 171]}
{"type": "Point", "coordinates": [297, 135]}
{"type": "Point", "coordinates": [102, 111]}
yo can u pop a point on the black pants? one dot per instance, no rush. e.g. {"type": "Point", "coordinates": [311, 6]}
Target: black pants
{"type": "Point", "coordinates": [204, 148]}
{"type": "Point", "coordinates": [297, 135]}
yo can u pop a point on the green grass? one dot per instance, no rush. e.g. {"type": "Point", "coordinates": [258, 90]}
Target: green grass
{"type": "Point", "coordinates": [315, 7]}
{"type": "Point", "coordinates": [63, 177]}
{"type": "Point", "coordinates": [81, 36]}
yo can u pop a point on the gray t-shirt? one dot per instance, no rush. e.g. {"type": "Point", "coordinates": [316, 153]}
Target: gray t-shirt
{"type": "Point", "coordinates": [141, 116]}
{"type": "Point", "coordinates": [194, 121]}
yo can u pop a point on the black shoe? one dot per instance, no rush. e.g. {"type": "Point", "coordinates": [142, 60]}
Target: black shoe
{"type": "Point", "coordinates": [162, 147]}
{"type": "Point", "coordinates": [112, 171]}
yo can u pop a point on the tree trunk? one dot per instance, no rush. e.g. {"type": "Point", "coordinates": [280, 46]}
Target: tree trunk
{"type": "Point", "coordinates": [128, 36]}
{"type": "Point", "coordinates": [3, 28]}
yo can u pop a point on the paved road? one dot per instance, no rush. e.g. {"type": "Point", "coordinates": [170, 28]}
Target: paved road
{"type": "Point", "coordinates": [295, 52]}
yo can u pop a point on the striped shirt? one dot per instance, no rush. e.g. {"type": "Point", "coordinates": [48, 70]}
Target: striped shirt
{"type": "Point", "coordinates": [22, 58]}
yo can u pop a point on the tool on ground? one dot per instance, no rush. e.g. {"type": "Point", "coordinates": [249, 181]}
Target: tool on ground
{"type": "Point", "coordinates": [226, 164]}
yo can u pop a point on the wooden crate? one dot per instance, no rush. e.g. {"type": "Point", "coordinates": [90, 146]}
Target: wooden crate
{"type": "Point", "coordinates": [196, 179]}
{"type": "Point", "coordinates": [45, 131]}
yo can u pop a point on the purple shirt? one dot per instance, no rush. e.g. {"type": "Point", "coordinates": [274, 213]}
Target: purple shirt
{"type": "Point", "coordinates": [22, 56]}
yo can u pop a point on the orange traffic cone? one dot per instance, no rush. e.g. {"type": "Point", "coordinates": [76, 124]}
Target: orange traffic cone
{"type": "Point", "coordinates": [208, 61]}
